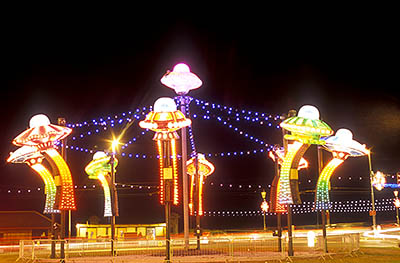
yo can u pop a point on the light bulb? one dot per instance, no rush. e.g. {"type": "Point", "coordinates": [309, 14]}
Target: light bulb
{"type": "Point", "coordinates": [164, 104]}
{"type": "Point", "coordinates": [181, 68]}
{"type": "Point", "coordinates": [39, 120]}
{"type": "Point", "coordinates": [309, 112]}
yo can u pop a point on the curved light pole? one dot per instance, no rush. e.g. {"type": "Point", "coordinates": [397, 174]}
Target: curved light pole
{"type": "Point", "coordinates": [182, 81]}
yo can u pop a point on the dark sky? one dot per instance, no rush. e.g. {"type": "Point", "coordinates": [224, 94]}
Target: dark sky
{"type": "Point", "coordinates": [346, 66]}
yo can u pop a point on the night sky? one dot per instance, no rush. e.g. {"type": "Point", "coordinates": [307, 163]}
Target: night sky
{"type": "Point", "coordinates": [345, 67]}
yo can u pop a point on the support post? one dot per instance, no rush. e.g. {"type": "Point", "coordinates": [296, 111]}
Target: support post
{"type": "Point", "coordinates": [371, 174]}
{"type": "Point", "coordinates": [53, 236]}
{"type": "Point", "coordinates": [113, 210]}
{"type": "Point", "coordinates": [185, 179]}
{"type": "Point", "coordinates": [323, 211]}
{"type": "Point", "coordinates": [62, 122]}
{"type": "Point", "coordinates": [198, 227]}
{"type": "Point", "coordinates": [290, 232]}
{"type": "Point", "coordinates": [167, 201]}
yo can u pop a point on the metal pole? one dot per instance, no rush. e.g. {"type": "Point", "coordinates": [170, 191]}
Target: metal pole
{"type": "Point", "coordinates": [198, 228]}
{"type": "Point", "coordinates": [62, 122]}
{"type": "Point", "coordinates": [185, 179]}
{"type": "Point", "coordinates": [53, 236]}
{"type": "Point", "coordinates": [323, 211]}
{"type": "Point", "coordinates": [168, 227]}
{"type": "Point", "coordinates": [278, 215]}
{"type": "Point", "coordinates": [397, 216]}
{"type": "Point", "coordinates": [291, 113]}
{"type": "Point", "coordinates": [113, 194]}
{"type": "Point", "coordinates": [265, 224]}
{"type": "Point", "coordinates": [290, 232]}
{"type": "Point", "coordinates": [371, 174]}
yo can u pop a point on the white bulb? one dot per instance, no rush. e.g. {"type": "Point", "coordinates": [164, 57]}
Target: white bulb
{"type": "Point", "coordinates": [99, 155]}
{"type": "Point", "coordinates": [39, 120]}
{"type": "Point", "coordinates": [344, 135]}
{"type": "Point", "coordinates": [309, 112]}
{"type": "Point", "coordinates": [181, 68]}
{"type": "Point", "coordinates": [164, 104]}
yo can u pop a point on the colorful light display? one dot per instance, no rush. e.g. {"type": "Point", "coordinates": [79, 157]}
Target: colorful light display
{"type": "Point", "coordinates": [203, 169]}
{"type": "Point", "coordinates": [306, 129]}
{"type": "Point", "coordinates": [342, 146]}
{"type": "Point", "coordinates": [31, 156]}
{"type": "Point", "coordinates": [42, 135]}
{"type": "Point", "coordinates": [100, 168]}
{"type": "Point", "coordinates": [165, 120]}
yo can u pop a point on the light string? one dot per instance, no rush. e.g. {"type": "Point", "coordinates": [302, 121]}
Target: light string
{"type": "Point", "coordinates": [238, 114]}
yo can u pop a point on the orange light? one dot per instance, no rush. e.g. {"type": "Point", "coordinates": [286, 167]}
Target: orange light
{"type": "Point", "coordinates": [397, 203]}
{"type": "Point", "coordinates": [205, 168]}
{"type": "Point", "coordinates": [264, 206]}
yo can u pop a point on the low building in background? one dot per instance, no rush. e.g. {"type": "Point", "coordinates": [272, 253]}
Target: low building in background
{"type": "Point", "coordinates": [122, 231]}
{"type": "Point", "coordinates": [17, 225]}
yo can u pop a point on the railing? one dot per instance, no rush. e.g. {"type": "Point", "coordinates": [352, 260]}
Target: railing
{"type": "Point", "coordinates": [228, 248]}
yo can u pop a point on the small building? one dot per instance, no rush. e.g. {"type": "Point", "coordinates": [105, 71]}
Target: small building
{"type": "Point", "coordinates": [122, 231]}
{"type": "Point", "coordinates": [16, 225]}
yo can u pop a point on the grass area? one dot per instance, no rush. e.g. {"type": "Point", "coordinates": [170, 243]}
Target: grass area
{"type": "Point", "coordinates": [8, 258]}
{"type": "Point", "coordinates": [373, 255]}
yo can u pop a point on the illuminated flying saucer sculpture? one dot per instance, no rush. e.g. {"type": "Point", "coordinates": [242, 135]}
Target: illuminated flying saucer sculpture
{"type": "Point", "coordinates": [204, 169]}
{"type": "Point", "coordinates": [306, 129]}
{"type": "Point", "coordinates": [42, 135]}
{"type": "Point", "coordinates": [100, 168]}
{"type": "Point", "coordinates": [342, 146]}
{"type": "Point", "coordinates": [32, 157]}
{"type": "Point", "coordinates": [165, 120]}
{"type": "Point", "coordinates": [181, 79]}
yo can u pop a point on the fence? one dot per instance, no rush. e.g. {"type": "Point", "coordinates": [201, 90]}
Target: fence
{"type": "Point", "coordinates": [228, 248]}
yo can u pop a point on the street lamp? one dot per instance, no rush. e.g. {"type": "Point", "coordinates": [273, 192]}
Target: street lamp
{"type": "Point", "coordinates": [165, 120]}
{"type": "Point", "coordinates": [114, 196]}
{"type": "Point", "coordinates": [182, 81]}
{"type": "Point", "coordinates": [264, 207]}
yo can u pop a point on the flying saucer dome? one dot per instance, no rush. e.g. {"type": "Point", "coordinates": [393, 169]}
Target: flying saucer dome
{"type": "Point", "coordinates": [343, 141]}
{"type": "Point", "coordinates": [41, 131]}
{"type": "Point", "coordinates": [99, 165]}
{"type": "Point", "coordinates": [24, 154]}
{"type": "Point", "coordinates": [165, 117]}
{"type": "Point", "coordinates": [181, 79]}
{"type": "Point", "coordinates": [205, 167]}
{"type": "Point", "coordinates": [307, 123]}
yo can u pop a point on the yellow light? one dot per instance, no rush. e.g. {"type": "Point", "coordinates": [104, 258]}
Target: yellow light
{"type": "Point", "coordinates": [67, 201]}
{"type": "Point", "coordinates": [322, 192]}
{"type": "Point", "coordinates": [175, 172]}
{"type": "Point", "coordinates": [50, 188]}
{"type": "Point", "coordinates": [264, 206]}
{"type": "Point", "coordinates": [161, 166]}
{"type": "Point", "coordinates": [397, 203]}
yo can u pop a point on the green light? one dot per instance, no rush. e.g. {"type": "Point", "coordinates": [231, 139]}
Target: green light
{"type": "Point", "coordinates": [322, 192]}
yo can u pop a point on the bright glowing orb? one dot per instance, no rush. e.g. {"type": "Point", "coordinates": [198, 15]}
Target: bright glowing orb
{"type": "Point", "coordinates": [344, 136]}
{"type": "Point", "coordinates": [309, 112]}
{"type": "Point", "coordinates": [99, 155]}
{"type": "Point", "coordinates": [39, 120]}
{"type": "Point", "coordinates": [164, 104]}
{"type": "Point", "coordinates": [181, 68]}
